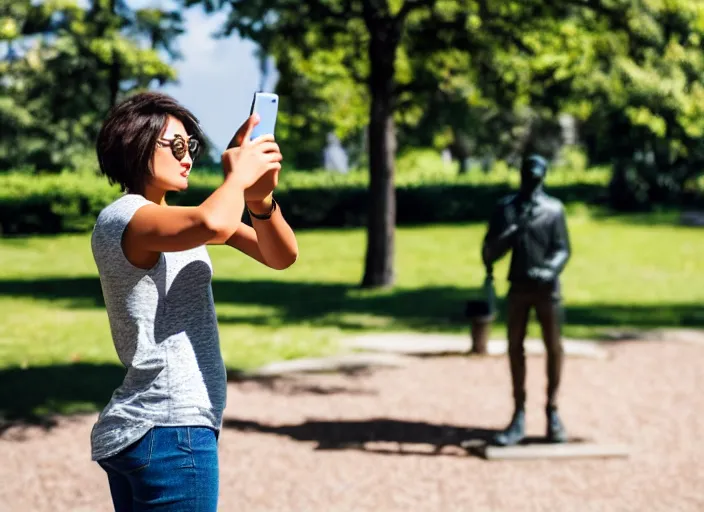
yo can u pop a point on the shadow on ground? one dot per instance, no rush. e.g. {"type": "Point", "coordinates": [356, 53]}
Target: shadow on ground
{"type": "Point", "coordinates": [32, 396]}
{"type": "Point", "coordinates": [291, 385]}
{"type": "Point", "coordinates": [336, 304]}
{"type": "Point", "coordinates": [35, 396]}
{"type": "Point", "coordinates": [410, 437]}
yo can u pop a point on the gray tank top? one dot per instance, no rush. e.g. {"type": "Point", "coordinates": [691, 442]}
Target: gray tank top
{"type": "Point", "coordinates": [165, 332]}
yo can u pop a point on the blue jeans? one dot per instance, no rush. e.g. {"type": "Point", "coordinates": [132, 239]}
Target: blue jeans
{"type": "Point", "coordinates": [172, 469]}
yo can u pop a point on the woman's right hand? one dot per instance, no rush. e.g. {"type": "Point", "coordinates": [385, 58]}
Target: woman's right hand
{"type": "Point", "coordinates": [250, 161]}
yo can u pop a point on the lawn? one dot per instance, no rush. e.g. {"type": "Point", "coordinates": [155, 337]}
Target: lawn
{"type": "Point", "coordinates": [625, 272]}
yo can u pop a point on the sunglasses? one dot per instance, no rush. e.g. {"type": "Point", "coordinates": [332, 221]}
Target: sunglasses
{"type": "Point", "coordinates": [179, 146]}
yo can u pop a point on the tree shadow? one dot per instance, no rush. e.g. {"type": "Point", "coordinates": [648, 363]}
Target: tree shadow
{"type": "Point", "coordinates": [35, 396]}
{"type": "Point", "coordinates": [638, 316]}
{"type": "Point", "coordinates": [349, 434]}
{"type": "Point", "coordinates": [72, 292]}
{"type": "Point", "coordinates": [293, 385]}
{"type": "Point", "coordinates": [676, 216]}
{"type": "Point", "coordinates": [373, 436]}
{"type": "Point", "coordinates": [345, 306]}
{"type": "Point", "coordinates": [436, 308]}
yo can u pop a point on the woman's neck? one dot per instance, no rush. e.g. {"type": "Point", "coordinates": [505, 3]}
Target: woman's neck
{"type": "Point", "coordinates": [155, 195]}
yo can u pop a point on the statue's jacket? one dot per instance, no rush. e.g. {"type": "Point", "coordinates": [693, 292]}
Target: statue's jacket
{"type": "Point", "coordinates": [535, 231]}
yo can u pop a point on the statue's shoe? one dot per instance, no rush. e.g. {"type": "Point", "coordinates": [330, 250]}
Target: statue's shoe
{"type": "Point", "coordinates": [555, 429]}
{"type": "Point", "coordinates": [515, 432]}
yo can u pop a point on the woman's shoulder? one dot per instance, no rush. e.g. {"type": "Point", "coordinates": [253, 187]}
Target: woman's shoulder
{"type": "Point", "coordinates": [113, 219]}
{"type": "Point", "coordinates": [119, 212]}
{"type": "Point", "coordinates": [127, 203]}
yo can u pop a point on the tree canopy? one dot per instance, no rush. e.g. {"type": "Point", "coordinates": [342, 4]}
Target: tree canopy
{"type": "Point", "coordinates": [65, 65]}
{"type": "Point", "coordinates": [482, 77]}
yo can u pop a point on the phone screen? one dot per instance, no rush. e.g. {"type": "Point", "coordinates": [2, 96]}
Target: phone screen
{"type": "Point", "coordinates": [267, 106]}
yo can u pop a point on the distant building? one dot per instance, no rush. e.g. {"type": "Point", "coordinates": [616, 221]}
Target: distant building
{"type": "Point", "coordinates": [446, 156]}
{"type": "Point", "coordinates": [568, 124]}
{"type": "Point", "coordinates": [334, 156]}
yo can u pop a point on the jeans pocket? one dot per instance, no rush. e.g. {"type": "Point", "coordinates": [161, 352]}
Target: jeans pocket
{"type": "Point", "coordinates": [196, 443]}
{"type": "Point", "coordinates": [135, 457]}
{"type": "Point", "coordinates": [202, 437]}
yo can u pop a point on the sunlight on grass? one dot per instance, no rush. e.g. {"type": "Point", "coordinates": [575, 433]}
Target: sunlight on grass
{"type": "Point", "coordinates": [622, 274]}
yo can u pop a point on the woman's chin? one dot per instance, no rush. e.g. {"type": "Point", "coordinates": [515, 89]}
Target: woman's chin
{"type": "Point", "coordinates": [180, 185]}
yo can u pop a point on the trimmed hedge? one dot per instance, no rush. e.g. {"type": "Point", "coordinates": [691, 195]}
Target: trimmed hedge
{"type": "Point", "coordinates": [416, 204]}
{"type": "Point", "coordinates": [427, 192]}
{"type": "Point", "coordinates": [71, 202]}
{"type": "Point", "coordinates": [51, 203]}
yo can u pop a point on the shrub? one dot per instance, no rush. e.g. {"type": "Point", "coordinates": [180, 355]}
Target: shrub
{"type": "Point", "coordinates": [428, 191]}
{"type": "Point", "coordinates": [52, 203]}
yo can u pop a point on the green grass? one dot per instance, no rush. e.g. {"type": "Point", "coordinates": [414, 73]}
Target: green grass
{"type": "Point", "coordinates": [55, 345]}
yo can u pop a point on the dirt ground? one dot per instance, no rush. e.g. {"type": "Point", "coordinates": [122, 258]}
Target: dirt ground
{"type": "Point", "coordinates": [387, 441]}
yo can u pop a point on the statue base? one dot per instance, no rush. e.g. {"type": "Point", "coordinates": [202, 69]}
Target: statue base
{"type": "Point", "coordinates": [540, 448]}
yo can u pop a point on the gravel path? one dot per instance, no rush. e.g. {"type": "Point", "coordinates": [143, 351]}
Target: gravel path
{"type": "Point", "coordinates": [299, 444]}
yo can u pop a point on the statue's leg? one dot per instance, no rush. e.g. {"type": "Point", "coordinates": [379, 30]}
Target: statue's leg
{"type": "Point", "coordinates": [517, 317]}
{"type": "Point", "coordinates": [549, 312]}
{"type": "Point", "coordinates": [518, 310]}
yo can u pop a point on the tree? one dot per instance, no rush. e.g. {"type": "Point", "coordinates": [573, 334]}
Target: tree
{"type": "Point", "coordinates": [360, 42]}
{"type": "Point", "coordinates": [475, 63]}
{"type": "Point", "coordinates": [319, 96]}
{"type": "Point", "coordinates": [646, 104]}
{"type": "Point", "coordinates": [69, 63]}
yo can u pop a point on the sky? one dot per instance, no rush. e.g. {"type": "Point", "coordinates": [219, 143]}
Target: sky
{"type": "Point", "coordinates": [216, 77]}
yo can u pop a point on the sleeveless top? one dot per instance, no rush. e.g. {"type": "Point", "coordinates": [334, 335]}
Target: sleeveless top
{"type": "Point", "coordinates": [165, 332]}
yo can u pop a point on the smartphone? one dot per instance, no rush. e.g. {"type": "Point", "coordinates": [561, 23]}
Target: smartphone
{"type": "Point", "coordinates": [265, 104]}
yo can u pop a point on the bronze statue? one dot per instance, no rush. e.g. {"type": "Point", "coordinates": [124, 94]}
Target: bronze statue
{"type": "Point", "coordinates": [532, 225]}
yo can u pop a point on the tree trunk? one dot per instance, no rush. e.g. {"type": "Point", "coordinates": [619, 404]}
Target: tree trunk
{"type": "Point", "coordinates": [463, 167]}
{"type": "Point", "coordinates": [379, 263]}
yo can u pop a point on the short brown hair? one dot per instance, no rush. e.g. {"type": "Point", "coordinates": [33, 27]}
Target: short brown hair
{"type": "Point", "coordinates": [128, 137]}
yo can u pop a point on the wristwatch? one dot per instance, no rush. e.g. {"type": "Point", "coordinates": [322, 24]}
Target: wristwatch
{"type": "Point", "coordinates": [265, 216]}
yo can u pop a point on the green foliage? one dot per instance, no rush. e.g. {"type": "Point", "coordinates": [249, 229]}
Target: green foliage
{"type": "Point", "coordinates": [427, 191]}
{"type": "Point", "coordinates": [68, 63]}
{"type": "Point", "coordinates": [640, 95]}
{"type": "Point", "coordinates": [488, 78]}
{"type": "Point", "coordinates": [465, 71]}
{"type": "Point", "coordinates": [321, 88]}
{"type": "Point", "coordinates": [52, 203]}
{"type": "Point", "coordinates": [56, 353]}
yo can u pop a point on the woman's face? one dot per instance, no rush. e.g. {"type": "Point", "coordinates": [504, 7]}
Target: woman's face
{"type": "Point", "coordinates": [168, 173]}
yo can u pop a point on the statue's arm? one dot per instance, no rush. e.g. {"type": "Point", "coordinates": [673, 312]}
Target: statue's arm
{"type": "Point", "coordinates": [561, 245]}
{"type": "Point", "coordinates": [498, 238]}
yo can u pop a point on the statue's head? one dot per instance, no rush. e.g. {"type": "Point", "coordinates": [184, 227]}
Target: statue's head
{"type": "Point", "coordinates": [533, 172]}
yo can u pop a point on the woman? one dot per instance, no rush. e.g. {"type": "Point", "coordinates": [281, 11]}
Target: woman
{"type": "Point", "coordinates": [157, 437]}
